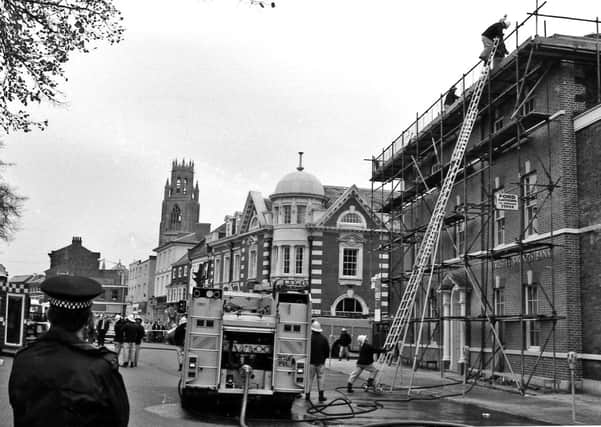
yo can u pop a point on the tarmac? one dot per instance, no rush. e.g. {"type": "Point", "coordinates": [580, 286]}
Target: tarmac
{"type": "Point", "coordinates": [490, 402]}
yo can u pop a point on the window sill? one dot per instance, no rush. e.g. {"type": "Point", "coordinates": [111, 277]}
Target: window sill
{"type": "Point", "coordinates": [349, 281]}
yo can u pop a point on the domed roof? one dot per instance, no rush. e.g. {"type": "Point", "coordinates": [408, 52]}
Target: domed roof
{"type": "Point", "coordinates": [299, 182]}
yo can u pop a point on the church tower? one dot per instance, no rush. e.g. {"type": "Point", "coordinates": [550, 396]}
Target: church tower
{"type": "Point", "coordinates": [180, 211]}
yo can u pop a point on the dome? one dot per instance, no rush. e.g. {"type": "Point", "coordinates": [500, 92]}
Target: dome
{"type": "Point", "coordinates": [299, 182]}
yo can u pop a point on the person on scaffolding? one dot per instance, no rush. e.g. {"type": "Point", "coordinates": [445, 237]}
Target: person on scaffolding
{"type": "Point", "coordinates": [491, 33]}
{"type": "Point", "coordinates": [365, 362]}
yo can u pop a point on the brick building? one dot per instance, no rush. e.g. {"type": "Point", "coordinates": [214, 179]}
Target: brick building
{"type": "Point", "coordinates": [519, 244]}
{"type": "Point", "coordinates": [307, 233]}
{"type": "Point", "coordinates": [77, 260]}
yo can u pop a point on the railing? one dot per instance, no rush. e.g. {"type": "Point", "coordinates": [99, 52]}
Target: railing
{"type": "Point", "coordinates": [463, 86]}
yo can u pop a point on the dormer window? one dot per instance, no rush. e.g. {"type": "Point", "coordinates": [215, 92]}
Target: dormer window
{"type": "Point", "coordinates": [254, 223]}
{"type": "Point", "coordinates": [351, 218]}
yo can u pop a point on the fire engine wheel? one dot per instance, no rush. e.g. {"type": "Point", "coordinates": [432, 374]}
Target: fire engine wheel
{"type": "Point", "coordinates": [283, 405]}
{"type": "Point", "coordinates": [185, 396]}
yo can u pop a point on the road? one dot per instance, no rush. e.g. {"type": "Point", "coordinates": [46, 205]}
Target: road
{"type": "Point", "coordinates": [154, 402]}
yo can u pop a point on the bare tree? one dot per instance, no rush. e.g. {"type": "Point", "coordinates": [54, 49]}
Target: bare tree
{"type": "Point", "coordinates": [36, 39]}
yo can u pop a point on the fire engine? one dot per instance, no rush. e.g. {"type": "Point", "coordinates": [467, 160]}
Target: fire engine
{"type": "Point", "coordinates": [246, 345]}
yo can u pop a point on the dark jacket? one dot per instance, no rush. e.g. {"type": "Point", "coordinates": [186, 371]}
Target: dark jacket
{"type": "Point", "coordinates": [119, 330]}
{"type": "Point", "coordinates": [141, 333]}
{"type": "Point", "coordinates": [495, 30]}
{"type": "Point", "coordinates": [366, 354]}
{"type": "Point", "coordinates": [345, 339]}
{"type": "Point", "coordinates": [179, 335]}
{"type": "Point", "coordinates": [103, 326]}
{"type": "Point", "coordinates": [59, 380]}
{"type": "Point", "coordinates": [320, 349]}
{"type": "Point", "coordinates": [130, 331]}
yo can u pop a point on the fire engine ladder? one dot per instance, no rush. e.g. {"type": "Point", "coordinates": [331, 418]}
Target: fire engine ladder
{"type": "Point", "coordinates": [399, 326]}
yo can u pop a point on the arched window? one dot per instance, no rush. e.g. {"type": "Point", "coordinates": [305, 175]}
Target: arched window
{"type": "Point", "coordinates": [185, 186]}
{"type": "Point", "coordinates": [178, 185]}
{"type": "Point", "coordinates": [176, 216]}
{"type": "Point", "coordinates": [349, 306]}
{"type": "Point", "coordinates": [254, 223]}
{"type": "Point", "coordinates": [351, 218]}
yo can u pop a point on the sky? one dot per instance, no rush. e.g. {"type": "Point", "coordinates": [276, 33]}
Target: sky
{"type": "Point", "coordinates": [239, 90]}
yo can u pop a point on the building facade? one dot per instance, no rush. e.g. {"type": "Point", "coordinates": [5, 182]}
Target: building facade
{"type": "Point", "coordinates": [513, 276]}
{"type": "Point", "coordinates": [305, 233]}
{"type": "Point", "coordinates": [77, 260]}
{"type": "Point", "coordinates": [139, 286]}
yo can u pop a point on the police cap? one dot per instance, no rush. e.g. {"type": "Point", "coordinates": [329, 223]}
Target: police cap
{"type": "Point", "coordinates": [71, 292]}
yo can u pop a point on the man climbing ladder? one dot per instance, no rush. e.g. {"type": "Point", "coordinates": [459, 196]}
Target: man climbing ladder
{"type": "Point", "coordinates": [399, 326]}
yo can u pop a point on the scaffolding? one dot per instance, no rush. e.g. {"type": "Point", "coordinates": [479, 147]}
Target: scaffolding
{"type": "Point", "coordinates": [406, 179]}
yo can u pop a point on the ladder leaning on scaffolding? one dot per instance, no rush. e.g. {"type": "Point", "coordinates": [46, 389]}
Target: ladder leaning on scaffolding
{"type": "Point", "coordinates": [397, 333]}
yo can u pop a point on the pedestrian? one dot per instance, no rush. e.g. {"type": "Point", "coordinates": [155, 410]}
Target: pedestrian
{"type": "Point", "coordinates": [365, 362]}
{"type": "Point", "coordinates": [344, 341]}
{"type": "Point", "coordinates": [118, 340]}
{"type": "Point", "coordinates": [139, 338]}
{"type": "Point", "coordinates": [61, 380]}
{"type": "Point", "coordinates": [179, 338]}
{"type": "Point", "coordinates": [102, 328]}
{"type": "Point", "coordinates": [492, 32]}
{"type": "Point", "coordinates": [130, 335]}
{"type": "Point", "coordinates": [320, 350]}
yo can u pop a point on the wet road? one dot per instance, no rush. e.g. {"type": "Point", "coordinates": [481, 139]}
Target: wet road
{"type": "Point", "coordinates": [154, 402]}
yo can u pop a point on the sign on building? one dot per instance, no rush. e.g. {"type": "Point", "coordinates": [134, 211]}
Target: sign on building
{"type": "Point", "coordinates": [505, 201]}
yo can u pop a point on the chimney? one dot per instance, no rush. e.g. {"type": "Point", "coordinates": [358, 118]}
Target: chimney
{"type": "Point", "coordinates": [76, 241]}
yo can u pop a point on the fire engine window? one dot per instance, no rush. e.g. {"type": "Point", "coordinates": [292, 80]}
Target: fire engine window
{"type": "Point", "coordinates": [287, 328]}
{"type": "Point", "coordinates": [210, 323]}
{"type": "Point", "coordinates": [296, 328]}
{"type": "Point", "coordinates": [200, 323]}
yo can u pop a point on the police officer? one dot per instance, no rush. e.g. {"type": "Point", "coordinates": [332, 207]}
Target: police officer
{"type": "Point", "coordinates": [59, 379]}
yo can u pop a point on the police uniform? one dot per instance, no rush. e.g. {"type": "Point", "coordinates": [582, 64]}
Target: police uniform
{"type": "Point", "coordinates": [60, 380]}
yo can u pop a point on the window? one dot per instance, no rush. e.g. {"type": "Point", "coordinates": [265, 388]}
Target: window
{"type": "Point", "coordinates": [532, 326]}
{"type": "Point", "coordinates": [528, 106]}
{"type": "Point", "coordinates": [286, 259]}
{"type": "Point", "coordinates": [301, 212]}
{"type": "Point", "coordinates": [299, 251]}
{"type": "Point", "coordinates": [459, 235]}
{"type": "Point", "coordinates": [185, 270]}
{"type": "Point", "coordinates": [530, 204]}
{"type": "Point", "coordinates": [178, 185]}
{"type": "Point", "coordinates": [185, 189]}
{"type": "Point", "coordinates": [287, 214]}
{"type": "Point", "coordinates": [174, 273]}
{"type": "Point", "coordinates": [114, 294]}
{"type": "Point", "coordinates": [499, 225]}
{"type": "Point", "coordinates": [217, 273]}
{"type": "Point", "coordinates": [180, 272]}
{"type": "Point", "coordinates": [351, 218]}
{"type": "Point", "coordinates": [349, 306]}
{"type": "Point", "coordinates": [252, 264]}
{"type": "Point", "coordinates": [276, 215]}
{"type": "Point", "coordinates": [254, 224]}
{"type": "Point", "coordinates": [236, 267]}
{"type": "Point", "coordinates": [499, 296]}
{"type": "Point", "coordinates": [498, 120]}
{"type": "Point", "coordinates": [349, 262]}
{"type": "Point", "coordinates": [226, 269]}
{"type": "Point", "coordinates": [176, 216]}
{"type": "Point", "coordinates": [275, 262]}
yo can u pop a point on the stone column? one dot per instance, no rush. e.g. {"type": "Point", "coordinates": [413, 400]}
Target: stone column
{"type": "Point", "coordinates": [446, 325]}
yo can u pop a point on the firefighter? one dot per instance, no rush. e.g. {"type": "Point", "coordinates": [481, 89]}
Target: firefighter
{"type": "Point", "coordinates": [320, 350]}
{"type": "Point", "coordinates": [179, 338]}
{"type": "Point", "coordinates": [365, 362]}
{"type": "Point", "coordinates": [61, 380]}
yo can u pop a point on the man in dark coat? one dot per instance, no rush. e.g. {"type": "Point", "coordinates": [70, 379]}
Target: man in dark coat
{"type": "Point", "coordinates": [59, 379]}
{"type": "Point", "coordinates": [139, 338]}
{"type": "Point", "coordinates": [320, 350]}
{"type": "Point", "coordinates": [130, 336]}
{"type": "Point", "coordinates": [493, 32]}
{"type": "Point", "coordinates": [118, 340]}
{"type": "Point", "coordinates": [102, 328]}
{"type": "Point", "coordinates": [344, 341]}
{"type": "Point", "coordinates": [179, 338]}
{"type": "Point", "coordinates": [365, 362]}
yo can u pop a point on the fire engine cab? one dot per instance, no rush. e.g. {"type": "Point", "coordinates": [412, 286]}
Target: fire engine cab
{"type": "Point", "coordinates": [246, 345]}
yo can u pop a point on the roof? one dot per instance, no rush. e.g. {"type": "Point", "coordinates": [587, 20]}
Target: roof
{"type": "Point", "coordinates": [333, 193]}
{"type": "Point", "coordinates": [299, 182]}
{"type": "Point", "coordinates": [182, 261]}
{"type": "Point", "coordinates": [20, 278]}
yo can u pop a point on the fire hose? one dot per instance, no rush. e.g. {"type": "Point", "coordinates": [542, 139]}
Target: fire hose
{"type": "Point", "coordinates": [246, 371]}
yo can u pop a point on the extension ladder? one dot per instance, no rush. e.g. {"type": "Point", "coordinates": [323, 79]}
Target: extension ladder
{"type": "Point", "coordinates": [400, 322]}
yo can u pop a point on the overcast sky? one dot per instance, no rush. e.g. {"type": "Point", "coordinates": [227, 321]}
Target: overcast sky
{"type": "Point", "coordinates": [239, 90]}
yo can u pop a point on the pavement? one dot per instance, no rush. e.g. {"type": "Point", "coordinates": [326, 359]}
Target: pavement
{"type": "Point", "coordinates": [152, 390]}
